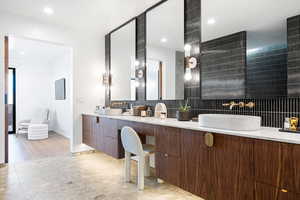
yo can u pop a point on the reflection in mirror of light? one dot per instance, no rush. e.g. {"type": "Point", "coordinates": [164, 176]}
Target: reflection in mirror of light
{"type": "Point", "coordinates": [187, 50]}
{"type": "Point", "coordinates": [188, 74]}
{"type": "Point", "coordinates": [211, 21]}
{"type": "Point", "coordinates": [163, 40]}
{"type": "Point", "coordinates": [253, 50]}
{"type": "Point", "coordinates": [137, 63]}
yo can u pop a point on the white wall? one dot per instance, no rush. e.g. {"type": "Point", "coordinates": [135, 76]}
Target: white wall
{"type": "Point", "coordinates": [88, 60]}
{"type": "Point", "coordinates": [2, 106]}
{"type": "Point", "coordinates": [35, 80]}
{"type": "Point", "coordinates": [61, 110]}
{"type": "Point", "coordinates": [33, 86]}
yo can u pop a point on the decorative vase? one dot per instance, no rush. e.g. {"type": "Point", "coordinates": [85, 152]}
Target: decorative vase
{"type": "Point", "coordinates": [183, 116]}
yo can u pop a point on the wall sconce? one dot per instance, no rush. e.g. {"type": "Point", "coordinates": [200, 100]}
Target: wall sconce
{"type": "Point", "coordinates": [188, 74]}
{"type": "Point", "coordinates": [190, 61]}
{"type": "Point", "coordinates": [106, 79]}
{"type": "Point", "coordinates": [140, 73]}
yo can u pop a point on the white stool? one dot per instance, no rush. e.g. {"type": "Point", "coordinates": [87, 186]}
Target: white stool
{"type": "Point", "coordinates": [132, 145]}
{"type": "Point", "coordinates": [37, 131]}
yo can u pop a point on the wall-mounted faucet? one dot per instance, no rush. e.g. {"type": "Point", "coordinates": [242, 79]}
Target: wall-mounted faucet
{"type": "Point", "coordinates": [241, 104]}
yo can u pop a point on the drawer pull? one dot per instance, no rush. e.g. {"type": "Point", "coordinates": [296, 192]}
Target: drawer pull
{"type": "Point", "coordinates": [166, 155]}
{"type": "Point", "coordinates": [209, 139]}
{"type": "Point", "coordinates": [284, 190]}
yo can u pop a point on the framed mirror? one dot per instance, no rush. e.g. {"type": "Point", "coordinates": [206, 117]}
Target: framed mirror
{"type": "Point", "coordinates": [123, 59]}
{"type": "Point", "coordinates": [250, 52]}
{"type": "Point", "coordinates": [165, 51]}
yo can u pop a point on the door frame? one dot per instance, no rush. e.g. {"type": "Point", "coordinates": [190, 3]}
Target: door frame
{"type": "Point", "coordinates": [6, 66]}
{"type": "Point", "coordinates": [14, 101]}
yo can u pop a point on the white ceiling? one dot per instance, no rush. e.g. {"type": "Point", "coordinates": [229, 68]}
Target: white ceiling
{"type": "Point", "coordinates": [99, 16]}
{"type": "Point", "coordinates": [24, 52]}
{"type": "Point", "coordinates": [264, 20]}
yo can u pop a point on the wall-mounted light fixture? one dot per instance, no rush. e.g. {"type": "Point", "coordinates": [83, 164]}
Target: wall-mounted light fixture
{"type": "Point", "coordinates": [140, 73]}
{"type": "Point", "coordinates": [190, 61]}
{"type": "Point", "coordinates": [106, 79]}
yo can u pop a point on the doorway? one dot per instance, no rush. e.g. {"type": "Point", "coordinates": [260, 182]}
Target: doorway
{"type": "Point", "coordinates": [11, 100]}
{"type": "Point", "coordinates": [32, 68]}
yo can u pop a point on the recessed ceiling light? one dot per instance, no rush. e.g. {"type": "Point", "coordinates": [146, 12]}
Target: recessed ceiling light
{"type": "Point", "coordinates": [163, 40]}
{"type": "Point", "coordinates": [211, 21]}
{"type": "Point", "coordinates": [22, 53]}
{"type": "Point", "coordinates": [48, 11]}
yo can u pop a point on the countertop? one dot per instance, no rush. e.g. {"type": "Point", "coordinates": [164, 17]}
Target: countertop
{"type": "Point", "coordinates": [265, 133]}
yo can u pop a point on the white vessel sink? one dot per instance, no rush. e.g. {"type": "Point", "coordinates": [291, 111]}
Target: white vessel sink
{"type": "Point", "coordinates": [230, 122]}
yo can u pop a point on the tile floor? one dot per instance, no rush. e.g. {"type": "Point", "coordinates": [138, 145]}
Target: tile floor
{"type": "Point", "coordinates": [92, 176]}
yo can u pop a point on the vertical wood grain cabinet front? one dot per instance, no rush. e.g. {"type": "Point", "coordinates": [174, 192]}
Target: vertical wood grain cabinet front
{"type": "Point", "coordinates": [230, 167]}
{"type": "Point", "coordinates": [168, 154]}
{"type": "Point", "coordinates": [102, 134]}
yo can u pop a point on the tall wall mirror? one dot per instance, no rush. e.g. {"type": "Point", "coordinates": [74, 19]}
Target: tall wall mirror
{"type": "Point", "coordinates": [123, 59]}
{"type": "Point", "coordinates": [165, 51]}
{"type": "Point", "coordinates": [250, 48]}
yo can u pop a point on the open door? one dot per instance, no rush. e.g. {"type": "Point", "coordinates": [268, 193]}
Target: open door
{"type": "Point", "coordinates": [6, 64]}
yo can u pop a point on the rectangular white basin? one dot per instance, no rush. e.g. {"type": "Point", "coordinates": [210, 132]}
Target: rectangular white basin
{"type": "Point", "coordinates": [230, 122]}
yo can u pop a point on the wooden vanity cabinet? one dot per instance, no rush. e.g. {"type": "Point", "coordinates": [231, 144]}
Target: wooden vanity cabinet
{"type": "Point", "coordinates": [264, 192]}
{"type": "Point", "coordinates": [278, 166]}
{"type": "Point", "coordinates": [224, 170]}
{"type": "Point", "coordinates": [231, 168]}
{"type": "Point", "coordinates": [236, 168]}
{"type": "Point", "coordinates": [195, 164]}
{"type": "Point", "coordinates": [89, 132]}
{"type": "Point", "coordinates": [168, 154]}
{"type": "Point", "coordinates": [102, 134]}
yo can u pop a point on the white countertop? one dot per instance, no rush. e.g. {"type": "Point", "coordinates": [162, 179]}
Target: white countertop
{"type": "Point", "coordinates": [265, 133]}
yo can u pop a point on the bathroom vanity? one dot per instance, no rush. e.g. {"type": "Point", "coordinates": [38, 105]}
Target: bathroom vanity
{"type": "Point", "coordinates": [260, 165]}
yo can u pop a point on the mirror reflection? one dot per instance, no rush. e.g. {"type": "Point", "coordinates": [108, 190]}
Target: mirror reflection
{"type": "Point", "coordinates": [123, 84]}
{"type": "Point", "coordinates": [165, 51]}
{"type": "Point", "coordinates": [248, 53]}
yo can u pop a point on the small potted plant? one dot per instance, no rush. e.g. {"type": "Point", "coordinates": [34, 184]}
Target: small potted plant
{"type": "Point", "coordinates": [183, 112]}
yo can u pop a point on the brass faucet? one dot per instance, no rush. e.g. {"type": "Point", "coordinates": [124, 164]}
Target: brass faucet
{"type": "Point", "coordinates": [241, 104]}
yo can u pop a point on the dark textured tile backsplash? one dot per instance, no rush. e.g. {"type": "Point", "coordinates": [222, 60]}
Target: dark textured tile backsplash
{"type": "Point", "coordinates": [272, 110]}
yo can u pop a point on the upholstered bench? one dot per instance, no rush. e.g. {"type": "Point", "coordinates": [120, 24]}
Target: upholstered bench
{"type": "Point", "coordinates": [37, 131]}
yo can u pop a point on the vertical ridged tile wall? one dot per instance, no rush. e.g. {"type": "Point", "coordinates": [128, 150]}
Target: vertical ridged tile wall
{"type": "Point", "coordinates": [223, 67]}
{"type": "Point", "coordinates": [141, 55]}
{"type": "Point", "coordinates": [192, 36]}
{"type": "Point", "coordinates": [267, 72]}
{"type": "Point", "coordinates": [272, 110]}
{"type": "Point", "coordinates": [294, 56]}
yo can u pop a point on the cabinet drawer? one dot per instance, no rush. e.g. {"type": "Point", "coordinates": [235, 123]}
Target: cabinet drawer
{"type": "Point", "coordinates": [168, 140]}
{"type": "Point", "coordinates": [168, 168]}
